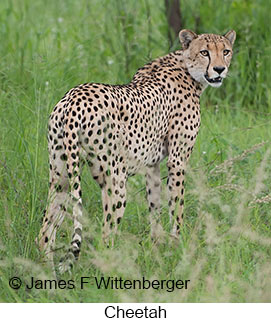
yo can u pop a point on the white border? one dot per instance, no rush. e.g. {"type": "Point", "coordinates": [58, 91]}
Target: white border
{"type": "Point", "coordinates": [95, 312]}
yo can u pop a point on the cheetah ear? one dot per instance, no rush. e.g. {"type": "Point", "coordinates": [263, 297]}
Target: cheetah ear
{"type": "Point", "coordinates": [186, 36]}
{"type": "Point", "coordinates": [231, 35]}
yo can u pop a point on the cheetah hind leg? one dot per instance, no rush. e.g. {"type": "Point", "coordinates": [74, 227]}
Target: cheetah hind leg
{"type": "Point", "coordinates": [52, 220]}
{"type": "Point", "coordinates": [73, 170]}
{"type": "Point", "coordinates": [153, 188]}
{"type": "Point", "coordinates": [114, 203]}
{"type": "Point", "coordinates": [66, 263]}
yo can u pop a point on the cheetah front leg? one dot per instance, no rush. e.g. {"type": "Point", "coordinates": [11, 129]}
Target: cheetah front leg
{"type": "Point", "coordinates": [153, 188]}
{"type": "Point", "coordinates": [177, 161]}
{"type": "Point", "coordinates": [175, 183]}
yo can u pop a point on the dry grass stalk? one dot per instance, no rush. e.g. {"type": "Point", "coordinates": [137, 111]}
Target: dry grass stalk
{"type": "Point", "coordinates": [230, 187]}
{"type": "Point", "coordinates": [229, 162]}
{"type": "Point", "coordinates": [263, 200]}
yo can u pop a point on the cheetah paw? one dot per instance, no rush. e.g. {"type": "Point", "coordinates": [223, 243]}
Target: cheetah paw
{"type": "Point", "coordinates": [66, 263]}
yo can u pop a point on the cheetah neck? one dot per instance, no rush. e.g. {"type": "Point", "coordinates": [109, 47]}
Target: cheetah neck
{"type": "Point", "coordinates": [171, 62]}
{"type": "Point", "coordinates": [179, 54]}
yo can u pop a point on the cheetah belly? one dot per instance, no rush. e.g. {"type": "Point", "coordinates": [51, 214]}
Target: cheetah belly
{"type": "Point", "coordinates": [138, 153]}
{"type": "Point", "coordinates": [146, 157]}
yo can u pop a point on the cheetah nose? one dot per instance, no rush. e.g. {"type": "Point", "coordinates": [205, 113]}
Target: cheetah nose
{"type": "Point", "coordinates": [219, 69]}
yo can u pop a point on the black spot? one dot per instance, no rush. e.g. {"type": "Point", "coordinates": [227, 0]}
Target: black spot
{"type": "Point", "coordinates": [108, 217]}
{"type": "Point", "coordinates": [63, 157]}
{"type": "Point", "coordinates": [58, 188]}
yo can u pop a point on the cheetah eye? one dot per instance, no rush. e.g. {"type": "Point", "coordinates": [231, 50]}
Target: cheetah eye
{"type": "Point", "coordinates": [204, 52]}
{"type": "Point", "coordinates": [226, 52]}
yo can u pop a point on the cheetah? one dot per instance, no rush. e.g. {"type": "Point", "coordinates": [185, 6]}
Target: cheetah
{"type": "Point", "coordinates": [120, 129]}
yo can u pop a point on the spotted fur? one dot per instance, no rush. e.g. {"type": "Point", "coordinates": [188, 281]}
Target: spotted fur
{"type": "Point", "coordinates": [120, 129]}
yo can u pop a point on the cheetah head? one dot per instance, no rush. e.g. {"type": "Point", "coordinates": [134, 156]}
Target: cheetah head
{"type": "Point", "coordinates": [207, 56]}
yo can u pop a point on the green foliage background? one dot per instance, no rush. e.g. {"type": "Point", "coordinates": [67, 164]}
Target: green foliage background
{"type": "Point", "coordinates": [49, 46]}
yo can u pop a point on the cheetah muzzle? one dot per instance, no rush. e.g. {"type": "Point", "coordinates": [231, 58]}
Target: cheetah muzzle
{"type": "Point", "coordinates": [216, 80]}
{"type": "Point", "coordinates": [118, 130]}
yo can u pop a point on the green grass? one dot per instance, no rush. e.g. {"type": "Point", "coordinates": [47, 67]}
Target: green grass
{"type": "Point", "coordinates": [47, 47]}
